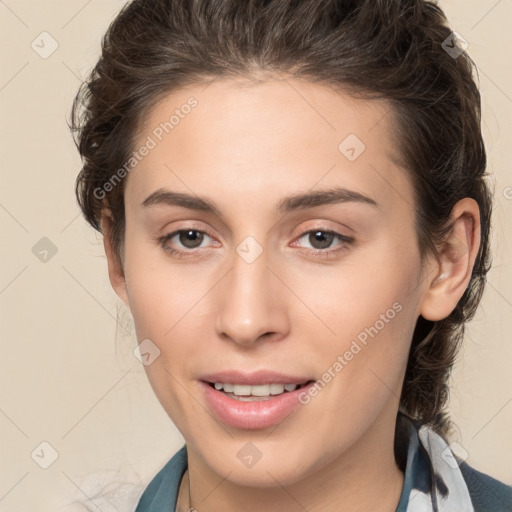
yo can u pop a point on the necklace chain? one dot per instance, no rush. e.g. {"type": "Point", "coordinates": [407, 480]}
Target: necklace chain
{"type": "Point", "coordinates": [190, 507]}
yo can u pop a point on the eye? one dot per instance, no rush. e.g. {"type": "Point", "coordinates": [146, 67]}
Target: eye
{"type": "Point", "coordinates": [184, 240]}
{"type": "Point", "coordinates": [322, 239]}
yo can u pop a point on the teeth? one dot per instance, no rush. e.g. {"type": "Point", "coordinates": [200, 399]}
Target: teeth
{"type": "Point", "coordinates": [259, 390]}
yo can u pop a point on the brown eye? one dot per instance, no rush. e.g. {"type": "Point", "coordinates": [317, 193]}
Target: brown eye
{"type": "Point", "coordinates": [191, 238]}
{"type": "Point", "coordinates": [184, 240]}
{"type": "Point", "coordinates": [321, 239]}
{"type": "Point", "coordinates": [323, 242]}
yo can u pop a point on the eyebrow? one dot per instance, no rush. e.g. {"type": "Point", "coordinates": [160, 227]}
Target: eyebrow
{"type": "Point", "coordinates": [291, 203]}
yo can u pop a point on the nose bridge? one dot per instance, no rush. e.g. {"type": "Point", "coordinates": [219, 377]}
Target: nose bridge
{"type": "Point", "coordinates": [250, 303]}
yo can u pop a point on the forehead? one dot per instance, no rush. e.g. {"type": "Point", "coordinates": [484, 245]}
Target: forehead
{"type": "Point", "coordinates": [278, 135]}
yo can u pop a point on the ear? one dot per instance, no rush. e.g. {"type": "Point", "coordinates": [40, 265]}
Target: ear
{"type": "Point", "coordinates": [456, 259]}
{"type": "Point", "coordinates": [115, 266]}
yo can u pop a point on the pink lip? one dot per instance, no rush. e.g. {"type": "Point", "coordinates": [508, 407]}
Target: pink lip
{"type": "Point", "coordinates": [256, 414]}
{"type": "Point", "coordinates": [254, 378]}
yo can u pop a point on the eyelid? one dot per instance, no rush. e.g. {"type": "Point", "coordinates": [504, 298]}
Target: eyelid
{"type": "Point", "coordinates": [325, 225]}
{"type": "Point", "coordinates": [171, 234]}
{"type": "Point", "coordinates": [344, 239]}
{"type": "Point", "coordinates": [324, 230]}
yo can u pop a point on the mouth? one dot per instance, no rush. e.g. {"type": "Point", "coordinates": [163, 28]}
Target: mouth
{"type": "Point", "coordinates": [253, 406]}
{"type": "Point", "coordinates": [253, 393]}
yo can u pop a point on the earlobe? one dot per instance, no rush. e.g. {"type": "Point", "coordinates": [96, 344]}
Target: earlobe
{"type": "Point", "coordinates": [115, 267]}
{"type": "Point", "coordinates": [455, 262]}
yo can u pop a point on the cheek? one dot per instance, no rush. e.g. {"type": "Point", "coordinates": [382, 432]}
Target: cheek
{"type": "Point", "coordinates": [371, 307]}
{"type": "Point", "coordinates": [165, 305]}
{"type": "Point", "coordinates": [161, 294]}
{"type": "Point", "coordinates": [364, 293]}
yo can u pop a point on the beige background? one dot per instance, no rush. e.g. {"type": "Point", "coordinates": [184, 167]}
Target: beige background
{"type": "Point", "coordinates": [68, 377]}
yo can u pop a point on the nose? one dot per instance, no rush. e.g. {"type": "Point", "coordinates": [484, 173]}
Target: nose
{"type": "Point", "coordinates": [252, 303]}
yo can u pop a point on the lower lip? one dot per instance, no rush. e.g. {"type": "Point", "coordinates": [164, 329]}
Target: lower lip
{"type": "Point", "coordinates": [255, 414]}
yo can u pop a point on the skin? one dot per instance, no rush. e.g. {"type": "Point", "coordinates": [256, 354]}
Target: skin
{"type": "Point", "coordinates": [245, 148]}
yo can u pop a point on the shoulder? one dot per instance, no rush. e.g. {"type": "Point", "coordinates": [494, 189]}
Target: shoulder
{"type": "Point", "coordinates": [487, 493]}
{"type": "Point", "coordinates": [162, 491]}
{"type": "Point", "coordinates": [444, 481]}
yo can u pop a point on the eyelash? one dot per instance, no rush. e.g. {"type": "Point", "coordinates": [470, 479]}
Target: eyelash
{"type": "Point", "coordinates": [178, 253]}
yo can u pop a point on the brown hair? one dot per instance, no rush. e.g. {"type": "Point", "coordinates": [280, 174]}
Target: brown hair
{"type": "Point", "coordinates": [396, 50]}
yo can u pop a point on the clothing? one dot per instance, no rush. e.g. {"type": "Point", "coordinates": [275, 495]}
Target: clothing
{"type": "Point", "coordinates": [435, 480]}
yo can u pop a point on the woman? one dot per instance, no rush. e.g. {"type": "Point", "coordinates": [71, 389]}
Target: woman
{"type": "Point", "coordinates": [293, 202]}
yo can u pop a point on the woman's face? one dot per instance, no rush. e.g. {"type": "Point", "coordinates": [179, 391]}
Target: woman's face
{"type": "Point", "coordinates": [297, 256]}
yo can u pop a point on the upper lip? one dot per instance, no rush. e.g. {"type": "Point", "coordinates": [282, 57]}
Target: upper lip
{"type": "Point", "coordinates": [254, 378]}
